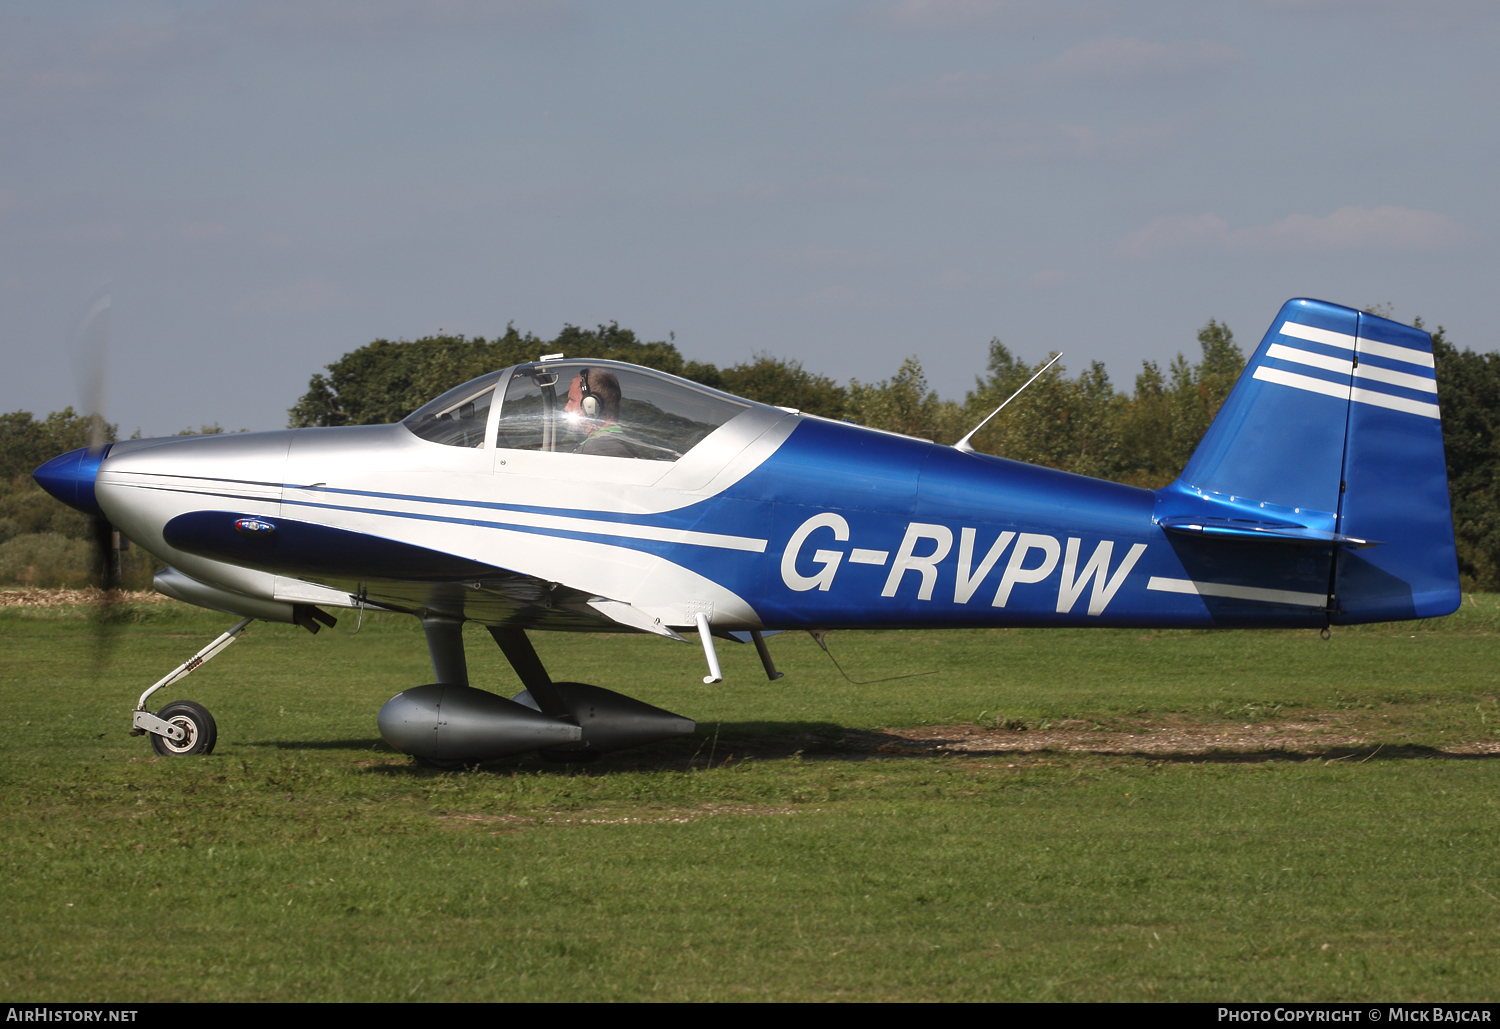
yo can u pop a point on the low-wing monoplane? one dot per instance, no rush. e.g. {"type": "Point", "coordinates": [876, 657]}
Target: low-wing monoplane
{"type": "Point", "coordinates": [591, 496]}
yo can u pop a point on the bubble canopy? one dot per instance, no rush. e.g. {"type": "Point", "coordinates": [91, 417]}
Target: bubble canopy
{"type": "Point", "coordinates": [637, 413]}
{"type": "Point", "coordinates": [458, 417]}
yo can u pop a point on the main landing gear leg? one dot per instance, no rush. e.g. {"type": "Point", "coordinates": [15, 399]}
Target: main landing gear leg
{"type": "Point", "coordinates": [445, 643]}
{"type": "Point", "coordinates": [609, 720]}
{"type": "Point", "coordinates": [450, 666]}
{"type": "Point", "coordinates": [765, 655]}
{"type": "Point", "coordinates": [522, 656]}
{"type": "Point", "coordinates": [183, 727]}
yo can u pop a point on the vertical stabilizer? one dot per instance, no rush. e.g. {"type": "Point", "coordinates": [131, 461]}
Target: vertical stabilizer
{"type": "Point", "coordinates": [1333, 433]}
{"type": "Point", "coordinates": [1279, 438]}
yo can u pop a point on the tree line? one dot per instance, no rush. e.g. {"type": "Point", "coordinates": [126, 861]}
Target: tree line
{"type": "Point", "coordinates": [1079, 424]}
{"type": "Point", "coordinates": [44, 542]}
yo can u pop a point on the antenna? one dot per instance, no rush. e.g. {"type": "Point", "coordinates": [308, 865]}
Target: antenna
{"type": "Point", "coordinates": [964, 444]}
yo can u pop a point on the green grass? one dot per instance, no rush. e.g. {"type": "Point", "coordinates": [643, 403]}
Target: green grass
{"type": "Point", "coordinates": [774, 855]}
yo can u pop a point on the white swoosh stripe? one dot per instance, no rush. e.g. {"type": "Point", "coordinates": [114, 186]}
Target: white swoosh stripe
{"type": "Point", "coordinates": [1395, 353]}
{"type": "Point", "coordinates": [1327, 337]}
{"type": "Point", "coordinates": [1307, 382]}
{"type": "Point", "coordinates": [639, 532]}
{"type": "Point", "coordinates": [1365, 346]}
{"type": "Point", "coordinates": [563, 523]}
{"type": "Point", "coordinates": [1370, 371]}
{"type": "Point", "coordinates": [1343, 392]}
{"type": "Point", "coordinates": [1364, 371]}
{"type": "Point", "coordinates": [1224, 589]}
{"type": "Point", "coordinates": [1369, 396]}
{"type": "Point", "coordinates": [1332, 364]}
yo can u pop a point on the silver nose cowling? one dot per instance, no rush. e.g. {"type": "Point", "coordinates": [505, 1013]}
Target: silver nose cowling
{"type": "Point", "coordinates": [70, 478]}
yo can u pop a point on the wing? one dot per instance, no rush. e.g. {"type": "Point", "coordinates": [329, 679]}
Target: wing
{"type": "Point", "coordinates": [399, 576]}
{"type": "Point", "coordinates": [509, 599]}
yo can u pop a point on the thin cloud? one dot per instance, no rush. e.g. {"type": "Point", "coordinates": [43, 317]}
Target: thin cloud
{"type": "Point", "coordinates": [304, 297]}
{"type": "Point", "coordinates": [1408, 15]}
{"type": "Point", "coordinates": [59, 68]}
{"type": "Point", "coordinates": [941, 16]}
{"type": "Point", "coordinates": [823, 187]}
{"type": "Point", "coordinates": [1048, 278]}
{"type": "Point", "coordinates": [203, 232]}
{"type": "Point", "coordinates": [832, 297]}
{"type": "Point", "coordinates": [361, 17]}
{"type": "Point", "coordinates": [1388, 229]}
{"type": "Point", "coordinates": [1029, 141]}
{"type": "Point", "coordinates": [950, 279]}
{"type": "Point", "coordinates": [130, 42]}
{"type": "Point", "coordinates": [957, 86]}
{"type": "Point", "coordinates": [92, 232]}
{"type": "Point", "coordinates": [1114, 59]}
{"type": "Point", "coordinates": [829, 257]}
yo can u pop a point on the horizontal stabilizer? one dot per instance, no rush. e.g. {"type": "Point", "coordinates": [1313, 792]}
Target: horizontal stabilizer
{"type": "Point", "coordinates": [1271, 532]}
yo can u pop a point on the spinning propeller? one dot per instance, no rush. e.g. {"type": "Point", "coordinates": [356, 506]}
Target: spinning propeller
{"type": "Point", "coordinates": [90, 351]}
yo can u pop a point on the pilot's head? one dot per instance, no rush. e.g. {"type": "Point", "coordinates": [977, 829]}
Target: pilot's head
{"type": "Point", "coordinates": [595, 394]}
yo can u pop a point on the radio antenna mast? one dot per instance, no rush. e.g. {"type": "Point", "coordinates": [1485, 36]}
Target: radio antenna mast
{"type": "Point", "coordinates": [964, 443]}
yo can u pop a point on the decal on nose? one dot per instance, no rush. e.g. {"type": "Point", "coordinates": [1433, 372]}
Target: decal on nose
{"type": "Point", "coordinates": [70, 478]}
{"type": "Point", "coordinates": [253, 526]}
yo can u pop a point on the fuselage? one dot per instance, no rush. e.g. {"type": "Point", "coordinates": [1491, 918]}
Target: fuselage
{"type": "Point", "coordinates": [774, 519]}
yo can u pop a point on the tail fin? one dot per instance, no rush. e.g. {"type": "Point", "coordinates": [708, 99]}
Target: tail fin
{"type": "Point", "coordinates": [1332, 435]}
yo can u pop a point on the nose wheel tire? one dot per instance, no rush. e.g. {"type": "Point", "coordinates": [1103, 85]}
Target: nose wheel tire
{"type": "Point", "coordinates": [192, 719]}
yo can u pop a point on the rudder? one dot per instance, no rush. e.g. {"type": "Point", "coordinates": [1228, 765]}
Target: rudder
{"type": "Point", "coordinates": [1395, 483]}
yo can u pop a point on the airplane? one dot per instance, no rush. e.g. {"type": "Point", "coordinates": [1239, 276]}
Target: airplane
{"type": "Point", "coordinates": [580, 495]}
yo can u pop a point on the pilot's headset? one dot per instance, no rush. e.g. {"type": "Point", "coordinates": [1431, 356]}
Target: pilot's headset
{"type": "Point", "coordinates": [588, 401]}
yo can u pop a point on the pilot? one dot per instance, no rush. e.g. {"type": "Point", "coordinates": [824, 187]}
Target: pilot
{"type": "Point", "coordinates": [594, 398]}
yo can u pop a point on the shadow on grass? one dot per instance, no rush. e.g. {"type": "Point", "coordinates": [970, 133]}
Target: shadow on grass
{"type": "Point", "coordinates": [376, 744]}
{"type": "Point", "coordinates": [736, 742]}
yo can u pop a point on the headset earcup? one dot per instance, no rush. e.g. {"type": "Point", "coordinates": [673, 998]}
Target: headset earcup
{"type": "Point", "coordinates": [589, 405]}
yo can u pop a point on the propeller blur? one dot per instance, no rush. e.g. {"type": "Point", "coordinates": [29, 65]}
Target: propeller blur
{"type": "Point", "coordinates": [577, 495]}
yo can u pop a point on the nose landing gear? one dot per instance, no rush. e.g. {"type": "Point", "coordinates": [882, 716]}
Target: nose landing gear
{"type": "Point", "coordinates": [183, 727]}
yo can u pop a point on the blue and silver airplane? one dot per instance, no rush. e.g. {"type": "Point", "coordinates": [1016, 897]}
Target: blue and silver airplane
{"type": "Point", "coordinates": [593, 496]}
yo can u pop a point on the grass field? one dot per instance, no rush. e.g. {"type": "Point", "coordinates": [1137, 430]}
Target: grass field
{"type": "Point", "coordinates": [800, 846]}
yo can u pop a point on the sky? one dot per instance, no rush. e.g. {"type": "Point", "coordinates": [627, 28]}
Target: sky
{"type": "Point", "coordinates": [262, 186]}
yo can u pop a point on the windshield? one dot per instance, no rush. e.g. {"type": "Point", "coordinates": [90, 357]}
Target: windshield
{"type": "Point", "coordinates": [608, 410]}
{"type": "Point", "coordinates": [458, 417]}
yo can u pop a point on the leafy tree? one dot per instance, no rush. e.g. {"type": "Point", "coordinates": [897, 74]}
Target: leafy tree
{"type": "Point", "coordinates": [1469, 392]}
{"type": "Point", "coordinates": [1149, 455]}
{"type": "Point", "coordinates": [384, 381]}
{"type": "Point", "coordinates": [904, 404]}
{"type": "Point", "coordinates": [1057, 422]}
{"type": "Point", "coordinates": [43, 542]}
{"type": "Point", "coordinates": [1161, 425]}
{"type": "Point", "coordinates": [771, 380]}
{"type": "Point", "coordinates": [27, 442]}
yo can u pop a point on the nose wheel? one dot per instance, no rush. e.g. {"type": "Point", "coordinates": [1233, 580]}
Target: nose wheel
{"type": "Point", "coordinates": [199, 732]}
